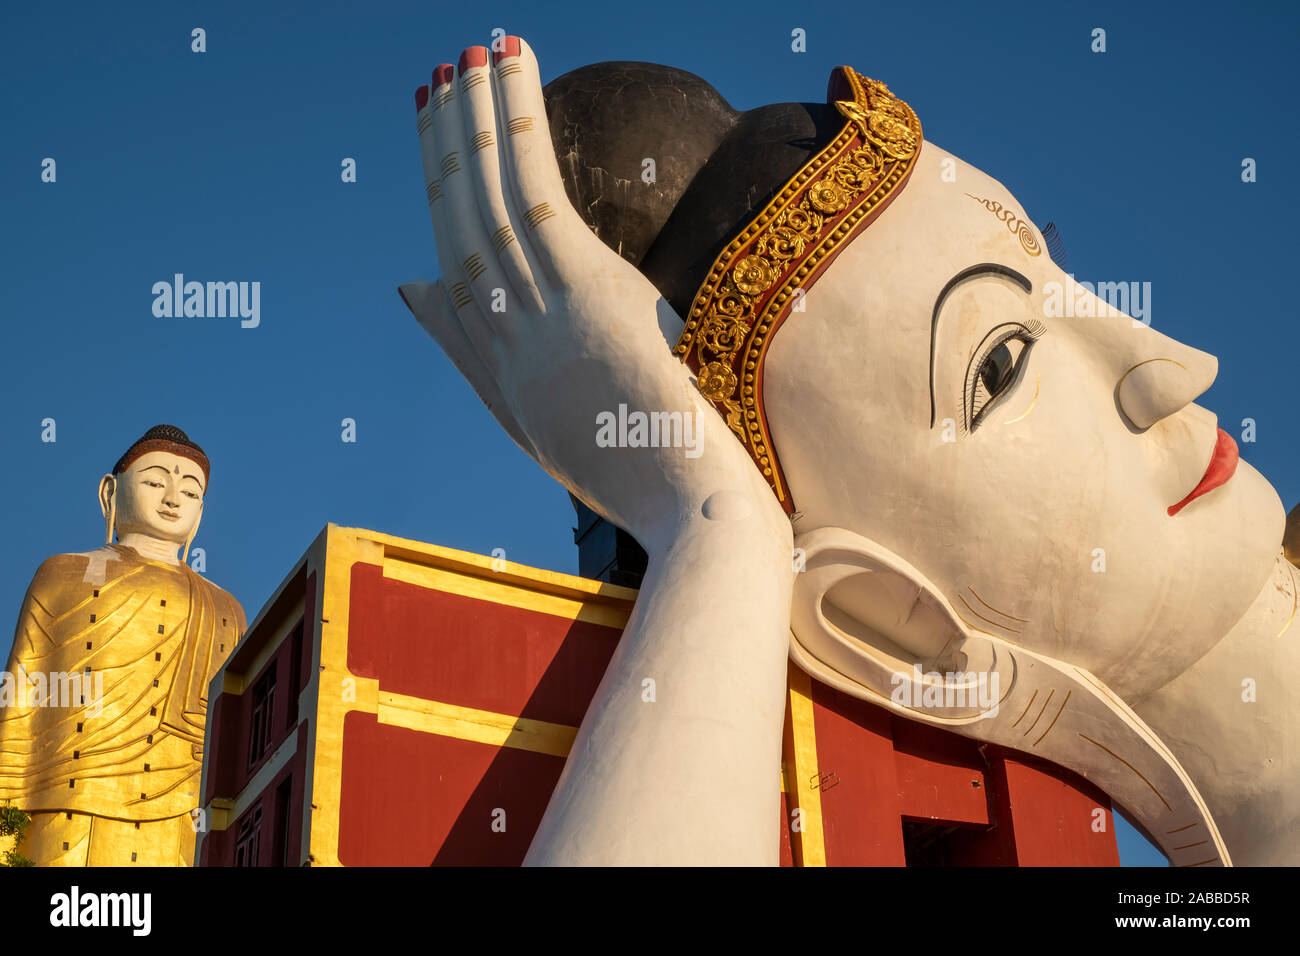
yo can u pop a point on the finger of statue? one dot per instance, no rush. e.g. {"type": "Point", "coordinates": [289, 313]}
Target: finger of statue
{"type": "Point", "coordinates": [430, 161]}
{"type": "Point", "coordinates": [466, 236]}
{"type": "Point", "coordinates": [479, 112]}
{"type": "Point", "coordinates": [540, 202]}
{"type": "Point", "coordinates": [476, 328]}
{"type": "Point", "coordinates": [432, 307]}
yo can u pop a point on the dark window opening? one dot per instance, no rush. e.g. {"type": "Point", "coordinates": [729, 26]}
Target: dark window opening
{"type": "Point", "coordinates": [261, 721]}
{"type": "Point", "coordinates": [283, 804]}
{"type": "Point", "coordinates": [295, 674]}
{"type": "Point", "coordinates": [248, 843]}
{"type": "Point", "coordinates": [928, 844]}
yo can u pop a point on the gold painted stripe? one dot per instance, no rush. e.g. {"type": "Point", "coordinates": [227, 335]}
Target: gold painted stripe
{"type": "Point", "coordinates": [1181, 829]}
{"type": "Point", "coordinates": [482, 726]}
{"type": "Point", "coordinates": [521, 124]}
{"type": "Point", "coordinates": [434, 191]}
{"type": "Point", "coordinates": [460, 295]}
{"type": "Point", "coordinates": [1041, 711]}
{"type": "Point", "coordinates": [1025, 413]}
{"type": "Point", "coordinates": [992, 608]}
{"type": "Point", "coordinates": [424, 121]}
{"type": "Point", "coordinates": [986, 620]}
{"type": "Point", "coordinates": [812, 840]}
{"type": "Point", "coordinates": [538, 214]}
{"type": "Point", "coordinates": [973, 626]}
{"type": "Point", "coordinates": [502, 238]}
{"type": "Point", "coordinates": [1151, 739]}
{"type": "Point", "coordinates": [1027, 706]}
{"type": "Point", "coordinates": [471, 80]}
{"type": "Point", "coordinates": [474, 266]}
{"type": "Point", "coordinates": [449, 165]}
{"type": "Point", "coordinates": [1119, 389]}
{"type": "Point", "coordinates": [1134, 769]}
{"type": "Point", "coordinates": [510, 69]}
{"type": "Point", "coordinates": [500, 592]}
{"type": "Point", "coordinates": [446, 96]}
{"type": "Point", "coordinates": [481, 141]}
{"type": "Point", "coordinates": [1054, 719]}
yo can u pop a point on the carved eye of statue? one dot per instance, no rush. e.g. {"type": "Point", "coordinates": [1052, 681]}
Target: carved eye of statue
{"type": "Point", "coordinates": [995, 371]}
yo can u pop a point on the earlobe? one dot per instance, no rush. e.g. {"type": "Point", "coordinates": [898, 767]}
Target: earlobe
{"type": "Point", "coordinates": [185, 555]}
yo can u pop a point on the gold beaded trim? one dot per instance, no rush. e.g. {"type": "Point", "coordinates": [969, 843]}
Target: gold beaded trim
{"type": "Point", "coordinates": [756, 279]}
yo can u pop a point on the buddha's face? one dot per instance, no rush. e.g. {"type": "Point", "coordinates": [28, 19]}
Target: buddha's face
{"type": "Point", "coordinates": [1022, 460]}
{"type": "Point", "coordinates": [160, 495]}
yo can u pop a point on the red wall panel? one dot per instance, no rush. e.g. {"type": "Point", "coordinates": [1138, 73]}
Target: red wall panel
{"type": "Point", "coordinates": [461, 650]}
{"type": "Point", "coordinates": [858, 787]}
{"type": "Point", "coordinates": [439, 808]}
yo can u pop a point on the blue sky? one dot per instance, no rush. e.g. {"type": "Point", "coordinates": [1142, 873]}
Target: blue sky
{"type": "Point", "coordinates": [226, 166]}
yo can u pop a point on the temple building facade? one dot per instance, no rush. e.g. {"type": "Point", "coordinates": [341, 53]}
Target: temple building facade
{"type": "Point", "coordinates": [401, 703]}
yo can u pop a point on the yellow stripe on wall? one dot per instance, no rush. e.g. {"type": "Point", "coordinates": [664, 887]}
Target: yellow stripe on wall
{"type": "Point", "coordinates": [482, 726]}
{"type": "Point", "coordinates": [500, 592]}
{"type": "Point", "coordinates": [812, 841]}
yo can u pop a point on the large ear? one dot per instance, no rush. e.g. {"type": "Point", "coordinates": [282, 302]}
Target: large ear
{"type": "Point", "coordinates": [870, 617]}
{"type": "Point", "coordinates": [866, 622]}
{"type": "Point", "coordinates": [108, 504]}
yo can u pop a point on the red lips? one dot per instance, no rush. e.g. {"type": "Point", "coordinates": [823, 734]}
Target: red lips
{"type": "Point", "coordinates": [1222, 465]}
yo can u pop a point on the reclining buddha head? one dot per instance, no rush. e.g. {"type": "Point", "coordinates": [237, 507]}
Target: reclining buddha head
{"type": "Point", "coordinates": [884, 329]}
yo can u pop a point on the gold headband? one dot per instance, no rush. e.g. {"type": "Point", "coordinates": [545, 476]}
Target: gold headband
{"type": "Point", "coordinates": [763, 272]}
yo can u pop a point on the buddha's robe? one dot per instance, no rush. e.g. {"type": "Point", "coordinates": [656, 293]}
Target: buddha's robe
{"type": "Point", "coordinates": [112, 779]}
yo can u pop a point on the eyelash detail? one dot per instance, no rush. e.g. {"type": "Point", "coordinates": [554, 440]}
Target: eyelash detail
{"type": "Point", "coordinates": [976, 398]}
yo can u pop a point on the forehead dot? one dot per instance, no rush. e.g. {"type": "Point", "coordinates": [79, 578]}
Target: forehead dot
{"type": "Point", "coordinates": [177, 471]}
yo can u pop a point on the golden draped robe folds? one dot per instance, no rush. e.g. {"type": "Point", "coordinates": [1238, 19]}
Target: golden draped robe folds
{"type": "Point", "coordinates": [111, 780]}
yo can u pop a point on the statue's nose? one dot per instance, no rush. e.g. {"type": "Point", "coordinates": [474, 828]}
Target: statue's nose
{"type": "Point", "coordinates": [1161, 377]}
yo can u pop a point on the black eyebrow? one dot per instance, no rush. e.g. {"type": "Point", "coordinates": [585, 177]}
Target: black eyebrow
{"type": "Point", "coordinates": [164, 468]}
{"type": "Point", "coordinates": [984, 268]}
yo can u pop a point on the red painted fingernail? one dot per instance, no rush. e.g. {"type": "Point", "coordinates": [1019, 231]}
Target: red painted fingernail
{"type": "Point", "coordinates": [421, 98]}
{"type": "Point", "coordinates": [443, 74]}
{"type": "Point", "coordinates": [473, 57]}
{"type": "Point", "coordinates": [509, 48]}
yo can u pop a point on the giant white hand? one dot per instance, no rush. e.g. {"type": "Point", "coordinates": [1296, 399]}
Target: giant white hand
{"type": "Point", "coordinates": [552, 329]}
{"type": "Point", "coordinates": [549, 325]}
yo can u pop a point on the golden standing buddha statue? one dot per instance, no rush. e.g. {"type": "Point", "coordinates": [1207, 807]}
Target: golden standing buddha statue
{"type": "Point", "coordinates": [102, 722]}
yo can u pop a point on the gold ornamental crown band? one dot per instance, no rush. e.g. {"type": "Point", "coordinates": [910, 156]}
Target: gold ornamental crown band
{"type": "Point", "coordinates": [757, 279]}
